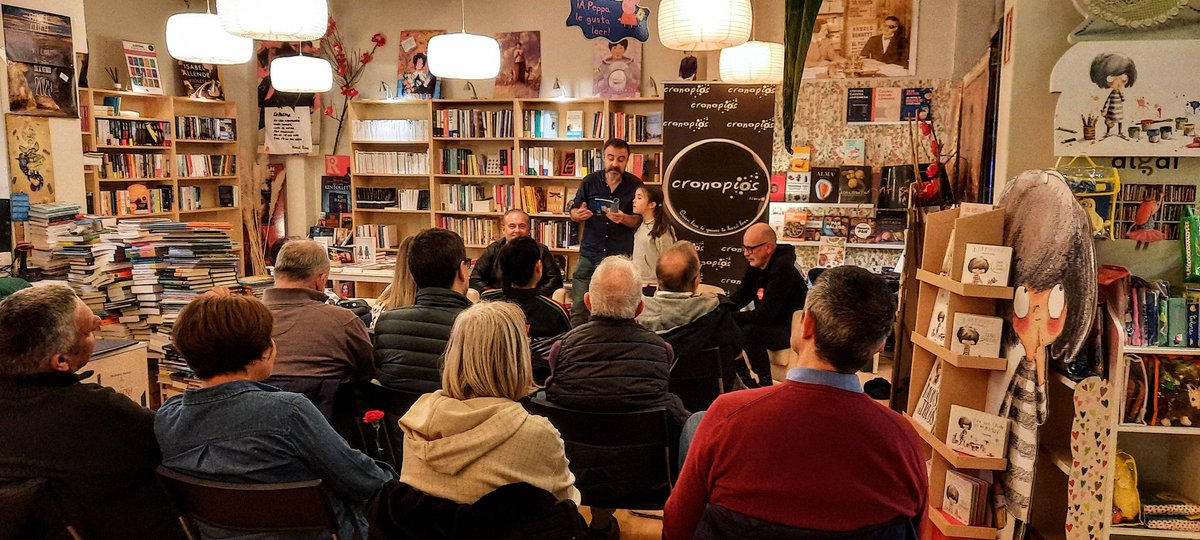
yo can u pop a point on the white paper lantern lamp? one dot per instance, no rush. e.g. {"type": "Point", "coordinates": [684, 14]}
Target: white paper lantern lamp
{"type": "Point", "coordinates": [703, 25]}
{"type": "Point", "coordinates": [464, 56]}
{"type": "Point", "coordinates": [199, 38]}
{"type": "Point", "coordinates": [301, 74]}
{"type": "Point", "coordinates": [753, 62]}
{"type": "Point", "coordinates": [275, 20]}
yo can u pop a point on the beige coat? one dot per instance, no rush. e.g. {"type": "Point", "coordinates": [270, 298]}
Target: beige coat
{"type": "Point", "coordinates": [463, 450]}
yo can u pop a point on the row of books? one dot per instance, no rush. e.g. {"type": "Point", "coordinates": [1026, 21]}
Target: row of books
{"type": "Point", "coordinates": [402, 129]}
{"type": "Point", "coordinates": [1154, 318]}
{"type": "Point", "coordinates": [472, 123]}
{"type": "Point", "coordinates": [636, 127]}
{"type": "Point", "coordinates": [191, 197]}
{"type": "Point", "coordinates": [390, 197]}
{"type": "Point", "coordinates": [133, 132]}
{"type": "Point", "coordinates": [548, 161]}
{"type": "Point", "coordinates": [205, 128]}
{"type": "Point", "coordinates": [131, 165]}
{"type": "Point", "coordinates": [646, 166]}
{"type": "Point", "coordinates": [201, 165]}
{"type": "Point", "coordinates": [385, 236]}
{"type": "Point", "coordinates": [475, 198]}
{"type": "Point", "coordinates": [120, 202]}
{"type": "Point", "coordinates": [555, 233]}
{"type": "Point", "coordinates": [466, 161]}
{"type": "Point", "coordinates": [1169, 193]}
{"type": "Point", "coordinates": [550, 199]}
{"type": "Point", "coordinates": [1166, 214]}
{"type": "Point", "coordinates": [474, 231]}
{"type": "Point", "coordinates": [391, 162]}
{"type": "Point", "coordinates": [1169, 230]}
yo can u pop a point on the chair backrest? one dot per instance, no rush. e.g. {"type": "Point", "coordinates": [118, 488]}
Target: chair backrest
{"type": "Point", "coordinates": [698, 379]}
{"type": "Point", "coordinates": [287, 507]}
{"type": "Point", "coordinates": [620, 459]}
{"type": "Point", "coordinates": [394, 404]}
{"type": "Point", "coordinates": [30, 509]}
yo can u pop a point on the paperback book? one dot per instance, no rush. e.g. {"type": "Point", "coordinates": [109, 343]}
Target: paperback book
{"type": "Point", "coordinates": [976, 335]}
{"type": "Point", "coordinates": [976, 433]}
{"type": "Point", "coordinates": [986, 265]}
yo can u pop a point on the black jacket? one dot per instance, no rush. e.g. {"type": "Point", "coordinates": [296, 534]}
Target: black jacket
{"type": "Point", "coordinates": [486, 274]}
{"type": "Point", "coordinates": [94, 444]}
{"type": "Point", "coordinates": [717, 329]}
{"type": "Point", "coordinates": [514, 511]}
{"type": "Point", "coordinates": [545, 317]}
{"type": "Point", "coordinates": [411, 341]}
{"type": "Point", "coordinates": [719, 523]}
{"type": "Point", "coordinates": [775, 291]}
{"type": "Point", "coordinates": [613, 365]}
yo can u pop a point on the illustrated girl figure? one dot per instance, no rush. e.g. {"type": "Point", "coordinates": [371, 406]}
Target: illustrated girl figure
{"type": "Point", "coordinates": [978, 267]}
{"type": "Point", "coordinates": [1051, 314]}
{"type": "Point", "coordinates": [968, 336]}
{"type": "Point", "coordinates": [1116, 72]}
{"type": "Point", "coordinates": [964, 427]}
{"type": "Point", "coordinates": [937, 330]}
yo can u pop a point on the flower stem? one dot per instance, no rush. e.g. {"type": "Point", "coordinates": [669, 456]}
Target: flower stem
{"type": "Point", "coordinates": [341, 118]}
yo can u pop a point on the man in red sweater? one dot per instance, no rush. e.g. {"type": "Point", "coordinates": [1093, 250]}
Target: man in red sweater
{"type": "Point", "coordinates": [814, 453]}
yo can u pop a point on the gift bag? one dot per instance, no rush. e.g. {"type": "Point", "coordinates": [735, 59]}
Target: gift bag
{"type": "Point", "coordinates": [1189, 240]}
{"type": "Point", "coordinates": [1096, 188]}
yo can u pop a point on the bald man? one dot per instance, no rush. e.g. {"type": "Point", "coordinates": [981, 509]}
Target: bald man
{"type": "Point", "coordinates": [773, 289]}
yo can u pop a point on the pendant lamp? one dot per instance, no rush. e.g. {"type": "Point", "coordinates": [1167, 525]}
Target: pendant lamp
{"type": "Point", "coordinates": [275, 20]}
{"type": "Point", "coordinates": [753, 62]}
{"type": "Point", "coordinates": [199, 38]}
{"type": "Point", "coordinates": [463, 55]}
{"type": "Point", "coordinates": [301, 74]}
{"type": "Point", "coordinates": [703, 25]}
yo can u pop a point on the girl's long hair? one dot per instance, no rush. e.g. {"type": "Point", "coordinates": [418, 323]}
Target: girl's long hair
{"type": "Point", "coordinates": [661, 224]}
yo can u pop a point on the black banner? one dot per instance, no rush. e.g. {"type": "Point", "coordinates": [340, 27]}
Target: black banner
{"type": "Point", "coordinates": [717, 148]}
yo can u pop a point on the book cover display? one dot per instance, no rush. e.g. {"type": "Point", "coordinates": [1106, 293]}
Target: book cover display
{"type": "Point", "coordinates": [937, 320]}
{"type": "Point", "coordinates": [855, 183]}
{"type": "Point", "coordinates": [201, 80]}
{"type": "Point", "coordinates": [925, 413]}
{"type": "Point", "coordinates": [965, 498]}
{"type": "Point", "coordinates": [41, 71]}
{"type": "Point", "coordinates": [976, 335]}
{"type": "Point", "coordinates": [141, 59]}
{"type": "Point", "coordinates": [824, 185]}
{"type": "Point", "coordinates": [976, 433]}
{"type": "Point", "coordinates": [831, 252]}
{"type": "Point", "coordinates": [986, 265]}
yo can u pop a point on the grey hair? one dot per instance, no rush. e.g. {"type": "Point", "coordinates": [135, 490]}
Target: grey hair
{"type": "Point", "coordinates": [36, 324]}
{"type": "Point", "coordinates": [302, 260]}
{"type": "Point", "coordinates": [616, 288]}
{"type": "Point", "coordinates": [853, 311]}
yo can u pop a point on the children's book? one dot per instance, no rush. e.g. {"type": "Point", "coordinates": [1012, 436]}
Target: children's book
{"type": "Point", "coordinates": [976, 433]}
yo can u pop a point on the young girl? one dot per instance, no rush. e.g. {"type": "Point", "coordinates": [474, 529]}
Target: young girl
{"type": "Point", "coordinates": [655, 234]}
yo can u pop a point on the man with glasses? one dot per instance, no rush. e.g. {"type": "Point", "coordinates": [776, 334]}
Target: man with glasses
{"type": "Point", "coordinates": [771, 290]}
{"type": "Point", "coordinates": [410, 341]}
{"type": "Point", "coordinates": [890, 46]}
{"type": "Point", "coordinates": [486, 275]}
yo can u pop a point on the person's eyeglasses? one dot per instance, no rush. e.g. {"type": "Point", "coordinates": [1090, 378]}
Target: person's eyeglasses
{"type": "Point", "coordinates": [750, 249]}
{"type": "Point", "coordinates": [891, 26]}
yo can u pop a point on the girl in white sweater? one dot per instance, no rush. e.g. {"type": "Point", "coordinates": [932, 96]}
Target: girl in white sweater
{"type": "Point", "coordinates": [655, 234]}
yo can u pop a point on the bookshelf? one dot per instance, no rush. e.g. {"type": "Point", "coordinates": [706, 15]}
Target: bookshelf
{"type": "Point", "coordinates": [524, 144]}
{"type": "Point", "coordinates": [183, 150]}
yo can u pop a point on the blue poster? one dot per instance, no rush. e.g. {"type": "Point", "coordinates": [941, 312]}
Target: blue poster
{"type": "Point", "coordinates": [917, 104]}
{"type": "Point", "coordinates": [611, 19]}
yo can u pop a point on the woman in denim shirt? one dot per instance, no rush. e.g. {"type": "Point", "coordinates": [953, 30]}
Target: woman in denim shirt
{"type": "Point", "coordinates": [237, 429]}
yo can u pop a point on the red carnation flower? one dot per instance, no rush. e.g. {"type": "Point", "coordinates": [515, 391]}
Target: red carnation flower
{"type": "Point", "coordinates": [329, 111]}
{"type": "Point", "coordinates": [346, 90]}
{"type": "Point", "coordinates": [353, 92]}
{"type": "Point", "coordinates": [373, 415]}
{"type": "Point", "coordinates": [341, 70]}
{"type": "Point", "coordinates": [379, 40]}
{"type": "Point", "coordinates": [365, 58]}
{"type": "Point", "coordinates": [932, 170]}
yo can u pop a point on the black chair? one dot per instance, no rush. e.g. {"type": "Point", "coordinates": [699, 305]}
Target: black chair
{"type": "Point", "coordinates": [30, 508]}
{"type": "Point", "coordinates": [390, 440]}
{"type": "Point", "coordinates": [257, 508]}
{"type": "Point", "coordinates": [620, 460]}
{"type": "Point", "coordinates": [698, 379]}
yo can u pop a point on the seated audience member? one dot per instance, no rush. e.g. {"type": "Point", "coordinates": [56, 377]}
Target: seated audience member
{"type": "Point", "coordinates": [691, 322]}
{"type": "Point", "coordinates": [319, 346]}
{"type": "Point", "coordinates": [237, 429]}
{"type": "Point", "coordinates": [403, 289]}
{"type": "Point", "coordinates": [486, 275]}
{"type": "Point", "coordinates": [94, 446]}
{"type": "Point", "coordinates": [774, 289]}
{"type": "Point", "coordinates": [789, 460]}
{"type": "Point", "coordinates": [410, 341]}
{"type": "Point", "coordinates": [611, 364]}
{"type": "Point", "coordinates": [472, 436]}
{"type": "Point", "coordinates": [521, 267]}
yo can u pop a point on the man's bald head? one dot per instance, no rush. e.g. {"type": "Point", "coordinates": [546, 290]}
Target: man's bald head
{"type": "Point", "coordinates": [758, 244]}
{"type": "Point", "coordinates": [759, 233]}
{"type": "Point", "coordinates": [678, 268]}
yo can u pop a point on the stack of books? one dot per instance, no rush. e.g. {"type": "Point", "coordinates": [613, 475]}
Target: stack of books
{"type": "Point", "coordinates": [48, 225]}
{"type": "Point", "coordinates": [256, 285]}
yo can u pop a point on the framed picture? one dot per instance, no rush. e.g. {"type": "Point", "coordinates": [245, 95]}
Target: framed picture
{"type": "Point", "coordinates": [863, 38]}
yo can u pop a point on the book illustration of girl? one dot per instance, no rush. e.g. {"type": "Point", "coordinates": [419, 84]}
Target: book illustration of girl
{"type": "Point", "coordinates": [967, 336]}
{"type": "Point", "coordinates": [1116, 72]}
{"type": "Point", "coordinates": [978, 267]}
{"type": "Point", "coordinates": [964, 427]}
{"type": "Point", "coordinates": [938, 333]}
{"type": "Point", "coordinates": [1051, 313]}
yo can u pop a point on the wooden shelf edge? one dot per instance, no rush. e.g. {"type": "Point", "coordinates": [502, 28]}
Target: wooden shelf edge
{"type": "Point", "coordinates": [957, 460]}
{"type": "Point", "coordinates": [1163, 351]}
{"type": "Point", "coordinates": [1061, 460]}
{"type": "Point", "coordinates": [1160, 430]}
{"type": "Point", "coordinates": [964, 289]}
{"type": "Point", "coordinates": [958, 360]}
{"type": "Point", "coordinates": [1143, 532]}
{"type": "Point", "coordinates": [950, 527]}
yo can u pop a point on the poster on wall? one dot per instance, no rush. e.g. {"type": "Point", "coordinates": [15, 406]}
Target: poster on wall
{"type": "Point", "coordinates": [267, 95]}
{"type": "Point", "coordinates": [1127, 98]}
{"type": "Point", "coordinates": [520, 65]}
{"type": "Point", "coordinates": [886, 105]}
{"type": "Point", "coordinates": [30, 159]}
{"type": "Point", "coordinates": [717, 141]}
{"type": "Point", "coordinates": [613, 20]}
{"type": "Point", "coordinates": [413, 78]}
{"type": "Point", "coordinates": [201, 80]}
{"type": "Point", "coordinates": [141, 60]}
{"type": "Point", "coordinates": [617, 68]}
{"type": "Point", "coordinates": [41, 69]}
{"type": "Point", "coordinates": [863, 38]}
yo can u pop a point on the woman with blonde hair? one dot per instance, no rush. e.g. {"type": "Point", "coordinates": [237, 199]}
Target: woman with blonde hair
{"type": "Point", "coordinates": [403, 289]}
{"type": "Point", "coordinates": [472, 436]}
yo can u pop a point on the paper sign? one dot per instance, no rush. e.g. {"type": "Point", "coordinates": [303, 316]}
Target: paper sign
{"type": "Point", "coordinates": [289, 130]}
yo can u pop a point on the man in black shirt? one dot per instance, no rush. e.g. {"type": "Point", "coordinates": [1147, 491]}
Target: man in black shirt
{"type": "Point", "coordinates": [604, 204]}
{"type": "Point", "coordinates": [486, 274]}
{"type": "Point", "coordinates": [774, 289]}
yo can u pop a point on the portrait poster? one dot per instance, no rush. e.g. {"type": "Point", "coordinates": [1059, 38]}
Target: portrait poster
{"type": "Point", "coordinates": [201, 80]}
{"type": "Point", "coordinates": [863, 38]}
{"type": "Point", "coordinates": [267, 95]}
{"type": "Point", "coordinates": [41, 67]}
{"type": "Point", "coordinates": [141, 60]}
{"type": "Point", "coordinates": [30, 159]}
{"type": "Point", "coordinates": [520, 65]}
{"type": "Point", "coordinates": [413, 78]}
{"type": "Point", "coordinates": [617, 68]}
